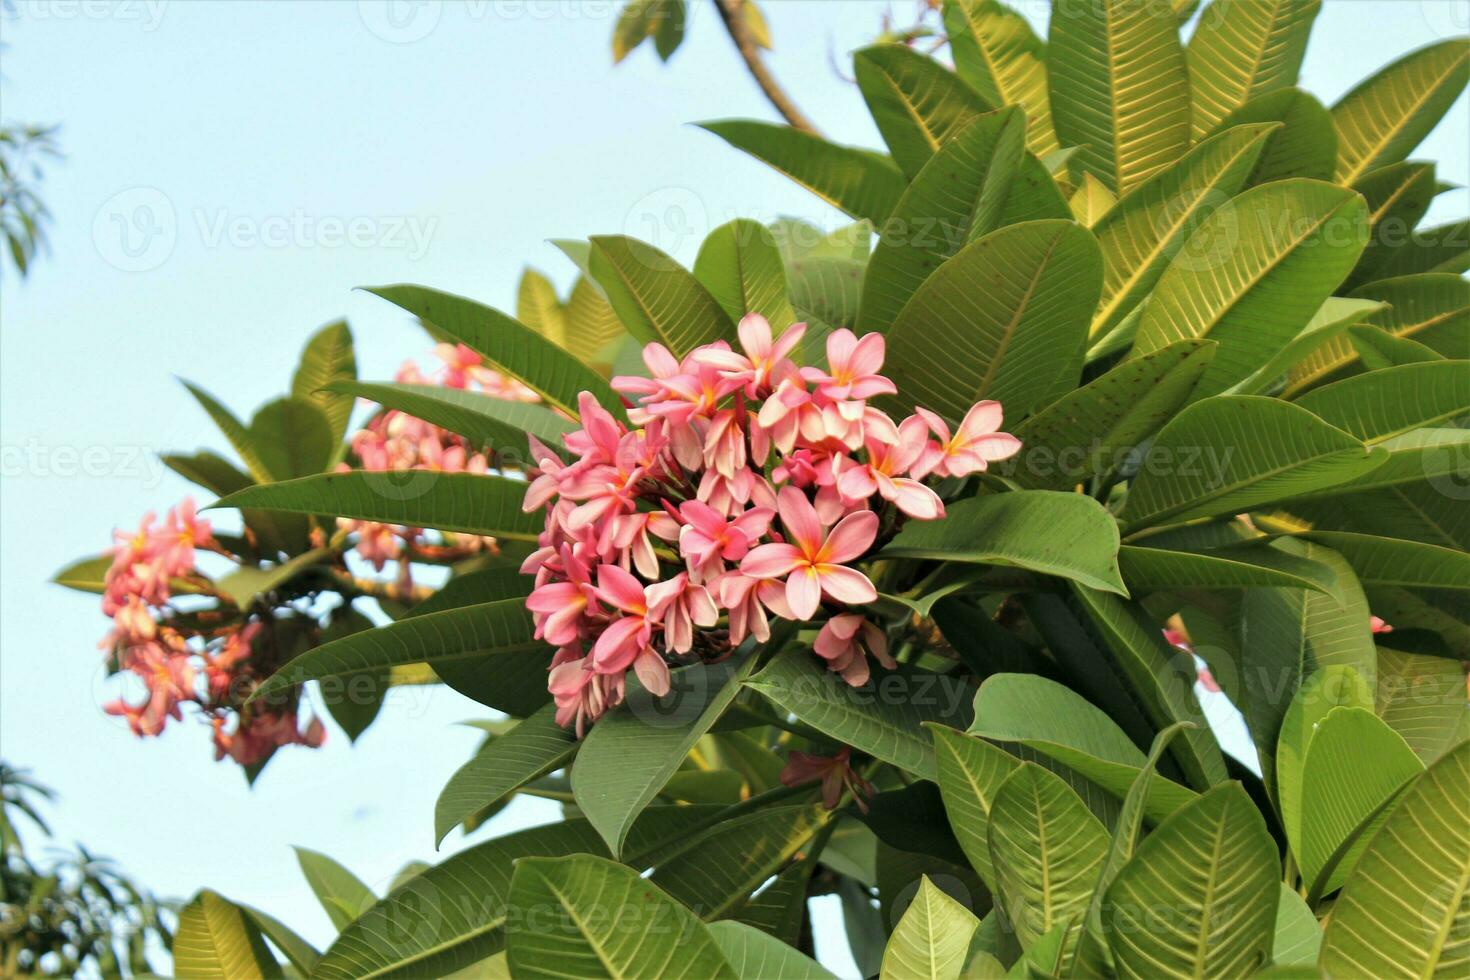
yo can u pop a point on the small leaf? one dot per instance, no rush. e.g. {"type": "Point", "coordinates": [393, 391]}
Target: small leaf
{"type": "Point", "coordinates": [916, 102]}
{"type": "Point", "coordinates": [341, 892]}
{"type": "Point", "coordinates": [328, 358]}
{"type": "Point", "coordinates": [656, 298]}
{"type": "Point", "coordinates": [932, 939]}
{"type": "Point", "coordinates": [741, 267]}
{"type": "Point", "coordinates": [216, 940]}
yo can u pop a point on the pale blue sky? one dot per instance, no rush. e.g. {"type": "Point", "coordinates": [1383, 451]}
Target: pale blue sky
{"type": "Point", "coordinates": [275, 156]}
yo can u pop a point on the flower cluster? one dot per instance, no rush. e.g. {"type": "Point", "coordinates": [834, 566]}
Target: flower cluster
{"type": "Point", "coordinates": [184, 656]}
{"type": "Point", "coordinates": [747, 488]}
{"type": "Point", "coordinates": [394, 440]}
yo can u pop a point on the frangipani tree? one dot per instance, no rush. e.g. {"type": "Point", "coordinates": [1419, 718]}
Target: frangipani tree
{"type": "Point", "coordinates": [884, 563]}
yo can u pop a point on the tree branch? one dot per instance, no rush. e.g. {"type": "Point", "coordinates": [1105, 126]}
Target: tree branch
{"type": "Point", "coordinates": [732, 12]}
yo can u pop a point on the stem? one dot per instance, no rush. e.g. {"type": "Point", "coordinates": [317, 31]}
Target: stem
{"type": "Point", "coordinates": [378, 590]}
{"type": "Point", "coordinates": [732, 12]}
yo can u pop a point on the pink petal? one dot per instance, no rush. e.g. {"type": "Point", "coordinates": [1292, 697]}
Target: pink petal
{"type": "Point", "coordinates": [618, 644]}
{"type": "Point", "coordinates": [917, 500]}
{"type": "Point", "coordinates": [800, 519]}
{"type": "Point", "coordinates": [867, 356]}
{"type": "Point", "coordinates": [996, 446]}
{"type": "Point", "coordinates": [983, 417]}
{"type": "Point", "coordinates": [852, 536]}
{"type": "Point", "coordinates": [618, 588]}
{"type": "Point", "coordinates": [840, 347]}
{"type": "Point", "coordinates": [755, 336]}
{"type": "Point", "coordinates": [845, 584]}
{"type": "Point", "coordinates": [804, 592]}
{"type": "Point", "coordinates": [652, 672]}
{"type": "Point", "coordinates": [771, 560]}
{"type": "Point", "coordinates": [790, 337]}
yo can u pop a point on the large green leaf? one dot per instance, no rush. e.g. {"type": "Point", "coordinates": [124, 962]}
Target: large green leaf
{"type": "Point", "coordinates": [328, 358]}
{"type": "Point", "coordinates": [1119, 88]}
{"type": "Point", "coordinates": [1245, 566]}
{"type": "Point", "coordinates": [1253, 274]}
{"type": "Point", "coordinates": [1000, 319]}
{"type": "Point", "coordinates": [1442, 248]}
{"type": "Point", "coordinates": [883, 717]}
{"type": "Point", "coordinates": [1047, 849]}
{"type": "Point", "coordinates": [1244, 50]}
{"type": "Point", "coordinates": [1227, 454]}
{"type": "Point", "coordinates": [998, 54]}
{"type": "Point", "coordinates": [454, 914]}
{"type": "Point", "coordinates": [1161, 678]}
{"type": "Point", "coordinates": [1438, 455]}
{"type": "Point", "coordinates": [538, 307]}
{"type": "Point", "coordinates": [502, 628]}
{"type": "Point", "coordinates": [1063, 534]}
{"type": "Point", "coordinates": [1212, 867]}
{"type": "Point", "coordinates": [1304, 146]}
{"type": "Point", "coordinates": [1405, 910]}
{"type": "Point", "coordinates": [1286, 637]}
{"type": "Point", "coordinates": [509, 345]}
{"type": "Point", "coordinates": [1335, 315]}
{"type": "Point", "coordinates": [932, 939]}
{"type": "Point", "coordinates": [1091, 430]}
{"type": "Point", "coordinates": [1056, 721]}
{"type": "Point", "coordinates": [531, 749]}
{"type": "Point", "coordinates": [917, 103]}
{"type": "Point", "coordinates": [825, 291]}
{"type": "Point", "coordinates": [1390, 561]}
{"type": "Point", "coordinates": [597, 918]}
{"type": "Point", "coordinates": [483, 420]}
{"type": "Point", "coordinates": [957, 197]}
{"type": "Point", "coordinates": [970, 773]}
{"type": "Point", "coordinates": [1354, 764]}
{"type": "Point", "coordinates": [1150, 224]}
{"type": "Point", "coordinates": [1422, 698]}
{"type": "Point", "coordinates": [754, 955]}
{"type": "Point", "coordinates": [216, 940]}
{"type": "Point", "coordinates": [292, 438]}
{"type": "Point", "coordinates": [657, 299]}
{"type": "Point", "coordinates": [862, 183]}
{"type": "Point", "coordinates": [339, 891]}
{"type": "Point", "coordinates": [1398, 197]}
{"type": "Point", "coordinates": [741, 267]}
{"type": "Point", "coordinates": [631, 752]}
{"type": "Point", "coordinates": [1382, 404]}
{"type": "Point", "coordinates": [468, 502]}
{"type": "Point", "coordinates": [1381, 120]}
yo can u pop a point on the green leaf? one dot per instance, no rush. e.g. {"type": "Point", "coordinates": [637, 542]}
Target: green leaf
{"type": "Point", "coordinates": [1241, 51]}
{"type": "Point", "coordinates": [999, 56]}
{"type": "Point", "coordinates": [883, 717]}
{"type": "Point", "coordinates": [483, 420]}
{"type": "Point", "coordinates": [1422, 698]}
{"type": "Point", "coordinates": [1304, 146]}
{"type": "Point", "coordinates": [1228, 454]}
{"type": "Point", "coordinates": [824, 294]}
{"type": "Point", "coordinates": [234, 430]}
{"type": "Point", "coordinates": [1390, 561]}
{"type": "Point", "coordinates": [1090, 431]}
{"type": "Point", "coordinates": [1380, 349]}
{"type": "Point", "coordinates": [1253, 274]}
{"type": "Point", "coordinates": [216, 940]}
{"type": "Point", "coordinates": [1161, 679]}
{"type": "Point", "coordinates": [970, 773]}
{"type": "Point", "coordinates": [1403, 909]}
{"type": "Point", "coordinates": [510, 346]}
{"type": "Point", "coordinates": [328, 358]}
{"type": "Point", "coordinates": [1354, 764]}
{"type": "Point", "coordinates": [632, 751]}
{"type": "Point", "coordinates": [292, 438]}
{"type": "Point", "coordinates": [1383, 404]}
{"type": "Point", "coordinates": [1150, 224]}
{"type": "Point", "coordinates": [1034, 195]}
{"type": "Point", "coordinates": [1119, 89]}
{"type": "Point", "coordinates": [502, 628]}
{"type": "Point", "coordinates": [861, 183]}
{"type": "Point", "coordinates": [1213, 864]}
{"type": "Point", "coordinates": [1298, 937]}
{"type": "Point", "coordinates": [932, 939]}
{"type": "Point", "coordinates": [246, 583]}
{"type": "Point", "coordinates": [754, 955]}
{"type": "Point", "coordinates": [1047, 850]}
{"type": "Point", "coordinates": [1092, 202]}
{"type": "Point", "coordinates": [86, 575]}
{"type": "Point", "coordinates": [656, 298]}
{"type": "Point", "coordinates": [1331, 319]}
{"type": "Point", "coordinates": [469, 502]}
{"type": "Point", "coordinates": [341, 892]}
{"type": "Point", "coordinates": [633, 28]}
{"type": "Point", "coordinates": [1061, 724]}
{"type": "Point", "coordinates": [1063, 534]}
{"type": "Point", "coordinates": [669, 32]}
{"type": "Point", "coordinates": [528, 751]}
{"type": "Point", "coordinates": [1381, 120]}
{"type": "Point", "coordinates": [1443, 248]}
{"type": "Point", "coordinates": [917, 103]}
{"type": "Point", "coordinates": [1439, 455]}
{"type": "Point", "coordinates": [301, 954]}
{"type": "Point", "coordinates": [741, 267]}
{"type": "Point", "coordinates": [1000, 319]}
{"type": "Point", "coordinates": [1287, 636]}
{"type": "Point", "coordinates": [538, 307]}
{"type": "Point", "coordinates": [957, 197]}
{"type": "Point", "coordinates": [576, 936]}
{"type": "Point", "coordinates": [1398, 197]}
{"type": "Point", "coordinates": [1248, 565]}
{"type": "Point", "coordinates": [592, 324]}
{"type": "Point", "coordinates": [208, 470]}
{"type": "Point", "coordinates": [454, 914]}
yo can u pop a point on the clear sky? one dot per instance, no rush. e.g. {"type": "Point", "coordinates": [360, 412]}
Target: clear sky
{"type": "Point", "coordinates": [264, 159]}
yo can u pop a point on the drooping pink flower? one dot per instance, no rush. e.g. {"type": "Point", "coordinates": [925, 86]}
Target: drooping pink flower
{"type": "Point", "coordinates": [581, 693]}
{"type": "Point", "coordinates": [882, 473]}
{"type": "Point", "coordinates": [846, 641]}
{"type": "Point", "coordinates": [680, 605]}
{"type": "Point", "coordinates": [558, 607]}
{"type": "Point", "coordinates": [1377, 625]}
{"type": "Point", "coordinates": [835, 772]}
{"type": "Point", "coordinates": [812, 563]}
{"type": "Point", "coordinates": [975, 445]}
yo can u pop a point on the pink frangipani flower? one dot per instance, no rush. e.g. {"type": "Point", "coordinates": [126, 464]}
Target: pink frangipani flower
{"type": "Point", "coordinates": [813, 562]}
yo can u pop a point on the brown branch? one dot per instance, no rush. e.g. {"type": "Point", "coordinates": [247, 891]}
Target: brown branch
{"type": "Point", "coordinates": [732, 12]}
